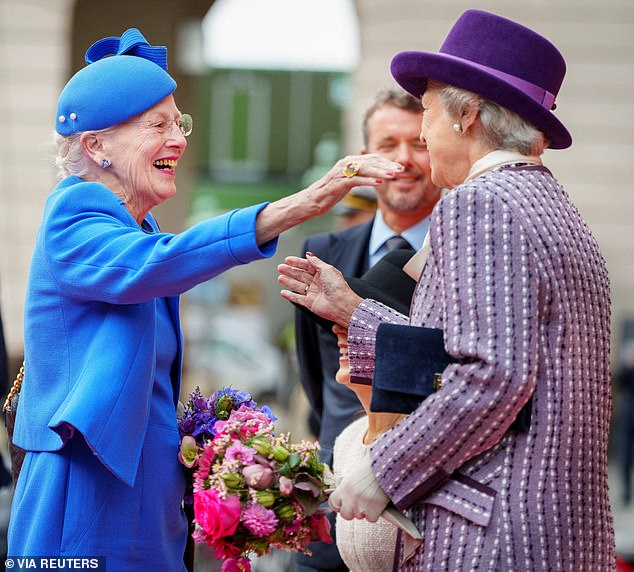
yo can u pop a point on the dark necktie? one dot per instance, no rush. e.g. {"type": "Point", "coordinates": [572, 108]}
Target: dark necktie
{"type": "Point", "coordinates": [397, 242]}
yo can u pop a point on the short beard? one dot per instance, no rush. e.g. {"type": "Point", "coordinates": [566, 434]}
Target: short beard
{"type": "Point", "coordinates": [404, 203]}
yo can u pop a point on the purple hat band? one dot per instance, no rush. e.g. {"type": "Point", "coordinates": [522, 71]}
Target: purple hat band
{"type": "Point", "coordinates": [498, 59]}
{"type": "Point", "coordinates": [539, 94]}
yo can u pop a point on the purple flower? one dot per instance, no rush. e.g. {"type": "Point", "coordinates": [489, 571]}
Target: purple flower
{"type": "Point", "coordinates": [202, 417]}
{"type": "Point", "coordinates": [198, 418]}
{"type": "Point", "coordinates": [200, 404]}
{"type": "Point", "coordinates": [224, 401]}
{"type": "Point", "coordinates": [187, 426]}
{"type": "Point", "coordinates": [259, 520]}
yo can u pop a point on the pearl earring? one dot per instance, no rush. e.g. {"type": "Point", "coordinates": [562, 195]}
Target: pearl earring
{"type": "Point", "coordinates": [457, 127]}
{"type": "Point", "coordinates": [105, 164]}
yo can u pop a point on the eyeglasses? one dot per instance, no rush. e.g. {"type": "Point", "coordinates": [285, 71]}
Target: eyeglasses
{"type": "Point", "coordinates": [185, 124]}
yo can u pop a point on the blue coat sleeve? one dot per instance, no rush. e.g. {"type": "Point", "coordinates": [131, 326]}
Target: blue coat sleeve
{"type": "Point", "coordinates": [96, 251]}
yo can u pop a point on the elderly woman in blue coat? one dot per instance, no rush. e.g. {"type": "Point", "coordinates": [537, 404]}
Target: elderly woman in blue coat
{"type": "Point", "coordinates": [103, 343]}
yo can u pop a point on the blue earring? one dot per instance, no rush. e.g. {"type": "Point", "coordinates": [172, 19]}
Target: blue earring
{"type": "Point", "coordinates": [105, 163]}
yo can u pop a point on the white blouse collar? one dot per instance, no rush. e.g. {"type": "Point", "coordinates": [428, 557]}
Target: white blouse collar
{"type": "Point", "coordinates": [497, 159]}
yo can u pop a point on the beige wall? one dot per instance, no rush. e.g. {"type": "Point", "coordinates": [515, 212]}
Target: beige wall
{"type": "Point", "coordinates": [33, 55]}
{"type": "Point", "coordinates": [596, 103]}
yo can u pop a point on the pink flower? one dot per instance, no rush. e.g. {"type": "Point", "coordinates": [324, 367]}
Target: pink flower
{"type": "Point", "coordinates": [199, 535]}
{"type": "Point", "coordinates": [218, 517]}
{"type": "Point", "coordinates": [219, 427]}
{"type": "Point", "coordinates": [320, 527]}
{"type": "Point", "coordinates": [236, 565]}
{"type": "Point", "coordinates": [224, 550]}
{"type": "Point", "coordinates": [240, 452]}
{"type": "Point", "coordinates": [258, 476]}
{"type": "Point", "coordinates": [205, 460]}
{"type": "Point", "coordinates": [259, 520]}
{"type": "Point", "coordinates": [251, 421]}
{"type": "Point", "coordinates": [245, 414]}
{"type": "Point", "coordinates": [286, 486]}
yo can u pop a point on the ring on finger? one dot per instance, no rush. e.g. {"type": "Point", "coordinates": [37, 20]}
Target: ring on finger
{"type": "Point", "coordinates": [306, 289]}
{"type": "Point", "coordinates": [351, 169]}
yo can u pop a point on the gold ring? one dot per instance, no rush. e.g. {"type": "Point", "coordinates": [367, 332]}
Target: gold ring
{"type": "Point", "coordinates": [351, 169]}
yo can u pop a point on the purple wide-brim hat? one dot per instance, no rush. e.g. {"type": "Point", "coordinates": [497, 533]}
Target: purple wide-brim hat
{"type": "Point", "coordinates": [498, 59]}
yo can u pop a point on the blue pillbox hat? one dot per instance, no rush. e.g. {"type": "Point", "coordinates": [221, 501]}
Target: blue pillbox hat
{"type": "Point", "coordinates": [124, 77]}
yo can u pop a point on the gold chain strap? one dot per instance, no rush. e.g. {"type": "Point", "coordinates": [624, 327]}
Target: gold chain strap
{"type": "Point", "coordinates": [15, 389]}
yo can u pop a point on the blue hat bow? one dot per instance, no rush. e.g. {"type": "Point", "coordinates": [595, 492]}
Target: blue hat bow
{"type": "Point", "coordinates": [130, 43]}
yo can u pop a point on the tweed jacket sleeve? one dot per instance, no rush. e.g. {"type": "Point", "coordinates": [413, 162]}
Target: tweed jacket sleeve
{"type": "Point", "coordinates": [365, 320]}
{"type": "Point", "coordinates": [482, 285]}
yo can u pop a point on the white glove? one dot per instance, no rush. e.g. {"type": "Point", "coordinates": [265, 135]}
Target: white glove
{"type": "Point", "coordinates": [359, 494]}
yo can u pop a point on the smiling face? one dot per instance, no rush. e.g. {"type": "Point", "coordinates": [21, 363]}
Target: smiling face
{"type": "Point", "coordinates": [395, 133]}
{"type": "Point", "coordinates": [143, 153]}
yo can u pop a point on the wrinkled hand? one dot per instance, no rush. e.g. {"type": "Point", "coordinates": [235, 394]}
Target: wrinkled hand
{"type": "Point", "coordinates": [318, 286]}
{"type": "Point", "coordinates": [359, 494]}
{"type": "Point", "coordinates": [371, 170]}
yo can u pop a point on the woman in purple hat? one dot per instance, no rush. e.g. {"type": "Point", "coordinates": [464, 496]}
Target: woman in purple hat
{"type": "Point", "coordinates": [103, 345]}
{"type": "Point", "coordinates": [504, 467]}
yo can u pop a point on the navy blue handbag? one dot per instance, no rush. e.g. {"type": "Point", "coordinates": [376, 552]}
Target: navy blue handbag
{"type": "Point", "coordinates": [409, 361]}
{"type": "Point", "coordinates": [403, 374]}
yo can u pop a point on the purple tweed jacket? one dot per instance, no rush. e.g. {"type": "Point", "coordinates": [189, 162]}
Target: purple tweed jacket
{"type": "Point", "coordinates": [518, 284]}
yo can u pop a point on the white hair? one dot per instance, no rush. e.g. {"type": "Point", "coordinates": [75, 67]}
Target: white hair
{"type": "Point", "coordinates": [501, 128]}
{"type": "Point", "coordinates": [70, 158]}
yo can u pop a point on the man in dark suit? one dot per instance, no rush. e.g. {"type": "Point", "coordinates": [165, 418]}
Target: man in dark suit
{"type": "Point", "coordinates": [391, 126]}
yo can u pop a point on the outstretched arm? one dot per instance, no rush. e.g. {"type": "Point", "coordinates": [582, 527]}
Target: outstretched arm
{"type": "Point", "coordinates": [321, 196]}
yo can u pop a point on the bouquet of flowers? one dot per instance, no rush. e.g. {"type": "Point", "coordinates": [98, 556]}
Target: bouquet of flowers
{"type": "Point", "coordinates": [252, 490]}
